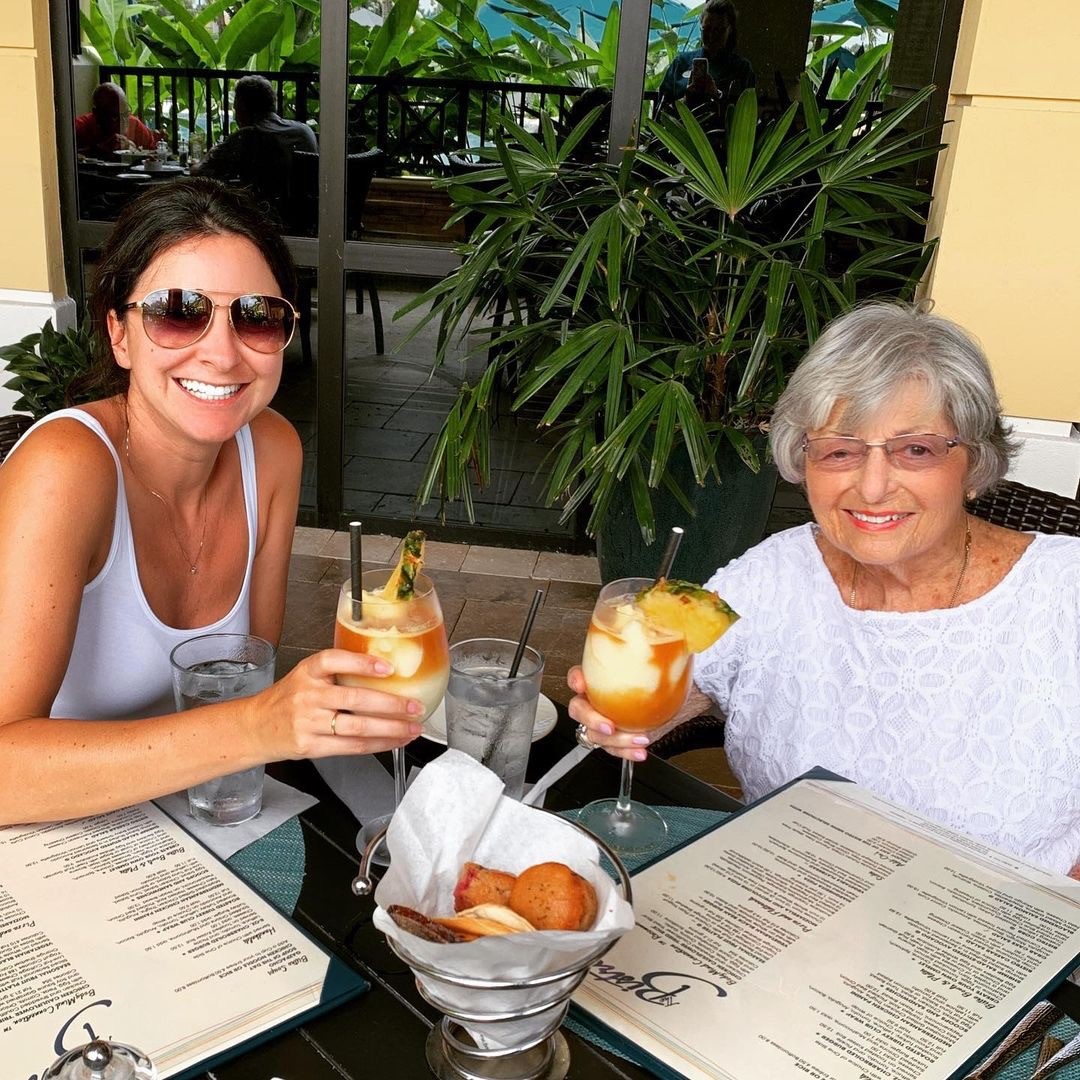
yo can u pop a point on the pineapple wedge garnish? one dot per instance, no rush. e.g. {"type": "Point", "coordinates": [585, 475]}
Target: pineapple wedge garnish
{"type": "Point", "coordinates": [403, 579]}
{"type": "Point", "coordinates": [699, 615]}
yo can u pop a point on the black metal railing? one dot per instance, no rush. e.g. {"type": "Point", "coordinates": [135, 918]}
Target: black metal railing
{"type": "Point", "coordinates": [417, 121]}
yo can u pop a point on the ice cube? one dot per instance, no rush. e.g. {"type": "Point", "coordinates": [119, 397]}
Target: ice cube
{"type": "Point", "coordinates": [615, 665]}
{"type": "Point", "coordinates": [676, 669]}
{"type": "Point", "coordinates": [405, 654]}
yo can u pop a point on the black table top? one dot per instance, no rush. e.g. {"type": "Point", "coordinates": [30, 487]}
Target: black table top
{"type": "Point", "coordinates": [382, 1033]}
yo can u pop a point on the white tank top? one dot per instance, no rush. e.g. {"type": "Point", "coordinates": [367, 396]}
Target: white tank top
{"type": "Point", "coordinates": [119, 664]}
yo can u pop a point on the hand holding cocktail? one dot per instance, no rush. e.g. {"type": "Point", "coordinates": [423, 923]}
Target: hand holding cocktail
{"type": "Point", "coordinates": [636, 673]}
{"type": "Point", "coordinates": [394, 614]}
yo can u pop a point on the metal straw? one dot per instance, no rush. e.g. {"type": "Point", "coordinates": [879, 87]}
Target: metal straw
{"type": "Point", "coordinates": [356, 540]}
{"type": "Point", "coordinates": [525, 631]}
{"type": "Point", "coordinates": [669, 552]}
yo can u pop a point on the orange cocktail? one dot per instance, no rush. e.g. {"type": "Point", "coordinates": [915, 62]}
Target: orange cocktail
{"type": "Point", "coordinates": [407, 634]}
{"type": "Point", "coordinates": [637, 673]}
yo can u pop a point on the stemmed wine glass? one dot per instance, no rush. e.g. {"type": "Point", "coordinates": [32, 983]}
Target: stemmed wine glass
{"type": "Point", "coordinates": [411, 636]}
{"type": "Point", "coordinates": [638, 675]}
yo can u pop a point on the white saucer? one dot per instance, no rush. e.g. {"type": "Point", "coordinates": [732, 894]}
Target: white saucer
{"type": "Point", "coordinates": [546, 716]}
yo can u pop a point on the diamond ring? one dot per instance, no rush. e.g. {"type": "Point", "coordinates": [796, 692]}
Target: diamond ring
{"type": "Point", "coordinates": [582, 736]}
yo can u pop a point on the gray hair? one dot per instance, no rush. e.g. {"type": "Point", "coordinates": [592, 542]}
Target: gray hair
{"type": "Point", "coordinates": [865, 357]}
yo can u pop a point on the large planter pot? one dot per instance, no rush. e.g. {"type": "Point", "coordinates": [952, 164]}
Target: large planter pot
{"type": "Point", "coordinates": [730, 518]}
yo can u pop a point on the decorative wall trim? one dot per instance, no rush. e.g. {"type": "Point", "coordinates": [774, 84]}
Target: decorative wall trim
{"type": "Point", "coordinates": [1049, 456]}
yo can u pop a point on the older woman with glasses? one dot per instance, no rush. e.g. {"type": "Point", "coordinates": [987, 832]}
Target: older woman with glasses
{"type": "Point", "coordinates": [899, 641]}
{"type": "Point", "coordinates": [164, 510]}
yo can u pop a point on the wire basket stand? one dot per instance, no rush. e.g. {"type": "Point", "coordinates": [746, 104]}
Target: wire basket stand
{"type": "Point", "coordinates": [451, 1053]}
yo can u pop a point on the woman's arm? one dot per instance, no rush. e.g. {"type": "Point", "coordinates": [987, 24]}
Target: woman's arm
{"type": "Point", "coordinates": [57, 500]}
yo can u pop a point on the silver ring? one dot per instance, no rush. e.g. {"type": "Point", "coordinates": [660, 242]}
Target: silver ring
{"type": "Point", "coordinates": [583, 740]}
{"type": "Point", "coordinates": [333, 724]}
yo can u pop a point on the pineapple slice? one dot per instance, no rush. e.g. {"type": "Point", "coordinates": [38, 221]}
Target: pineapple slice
{"type": "Point", "coordinates": [699, 615]}
{"type": "Point", "coordinates": [403, 579]}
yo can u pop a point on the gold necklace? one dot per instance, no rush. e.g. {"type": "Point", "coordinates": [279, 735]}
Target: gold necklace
{"type": "Point", "coordinates": [193, 565]}
{"type": "Point", "coordinates": [959, 581]}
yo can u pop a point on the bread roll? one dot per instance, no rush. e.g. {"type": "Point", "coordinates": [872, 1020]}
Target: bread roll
{"type": "Point", "coordinates": [552, 897]}
{"type": "Point", "coordinates": [479, 885]}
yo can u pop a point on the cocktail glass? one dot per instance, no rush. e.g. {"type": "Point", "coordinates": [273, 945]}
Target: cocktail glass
{"type": "Point", "coordinates": [638, 675]}
{"type": "Point", "coordinates": [409, 635]}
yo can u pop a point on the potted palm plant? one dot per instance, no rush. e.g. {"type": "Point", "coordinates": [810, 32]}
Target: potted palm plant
{"type": "Point", "coordinates": [656, 307]}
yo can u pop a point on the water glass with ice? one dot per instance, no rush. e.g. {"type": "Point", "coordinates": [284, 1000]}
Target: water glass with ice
{"type": "Point", "coordinates": [220, 667]}
{"type": "Point", "coordinates": [490, 716]}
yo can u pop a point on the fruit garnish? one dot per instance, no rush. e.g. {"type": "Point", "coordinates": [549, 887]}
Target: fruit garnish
{"type": "Point", "coordinates": [687, 609]}
{"type": "Point", "coordinates": [403, 580]}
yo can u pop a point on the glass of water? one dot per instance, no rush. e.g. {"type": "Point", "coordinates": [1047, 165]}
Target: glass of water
{"type": "Point", "coordinates": [490, 716]}
{"type": "Point", "coordinates": [219, 667]}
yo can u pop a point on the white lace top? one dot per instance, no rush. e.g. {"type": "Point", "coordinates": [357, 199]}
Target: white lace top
{"type": "Point", "coordinates": [970, 716]}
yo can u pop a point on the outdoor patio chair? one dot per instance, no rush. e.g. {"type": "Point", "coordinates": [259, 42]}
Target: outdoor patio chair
{"type": "Point", "coordinates": [304, 221]}
{"type": "Point", "coordinates": [12, 427]}
{"type": "Point", "coordinates": [1013, 505]}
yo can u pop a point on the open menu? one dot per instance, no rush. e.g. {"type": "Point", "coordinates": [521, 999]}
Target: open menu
{"type": "Point", "coordinates": [826, 933]}
{"type": "Point", "coordinates": [123, 927]}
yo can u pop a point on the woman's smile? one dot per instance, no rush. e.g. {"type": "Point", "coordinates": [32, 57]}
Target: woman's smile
{"type": "Point", "coordinates": [877, 521]}
{"type": "Point", "coordinates": [209, 391]}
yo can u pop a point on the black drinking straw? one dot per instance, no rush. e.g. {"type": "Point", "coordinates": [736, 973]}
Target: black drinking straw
{"type": "Point", "coordinates": [356, 539]}
{"type": "Point", "coordinates": [669, 552]}
{"type": "Point", "coordinates": [525, 631]}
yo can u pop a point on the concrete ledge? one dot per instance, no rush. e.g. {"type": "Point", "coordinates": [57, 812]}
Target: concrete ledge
{"type": "Point", "coordinates": [1049, 455]}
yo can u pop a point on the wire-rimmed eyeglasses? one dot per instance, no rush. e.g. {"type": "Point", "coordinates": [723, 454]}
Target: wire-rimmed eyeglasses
{"type": "Point", "coordinates": [176, 318]}
{"type": "Point", "coordinates": [840, 452]}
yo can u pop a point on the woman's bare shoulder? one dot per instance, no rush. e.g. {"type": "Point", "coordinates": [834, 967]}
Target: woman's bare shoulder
{"type": "Point", "coordinates": [62, 450]}
{"type": "Point", "coordinates": [272, 432]}
{"type": "Point", "coordinates": [58, 496]}
{"type": "Point", "coordinates": [278, 458]}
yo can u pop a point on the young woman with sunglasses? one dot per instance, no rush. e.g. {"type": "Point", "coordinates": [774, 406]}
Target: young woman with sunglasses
{"type": "Point", "coordinates": [898, 640]}
{"type": "Point", "coordinates": [160, 511]}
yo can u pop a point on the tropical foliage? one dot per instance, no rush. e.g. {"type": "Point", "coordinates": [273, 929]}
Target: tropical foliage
{"type": "Point", "coordinates": [842, 54]}
{"type": "Point", "coordinates": [43, 365]}
{"type": "Point", "coordinates": [445, 37]}
{"type": "Point", "coordinates": [662, 302]}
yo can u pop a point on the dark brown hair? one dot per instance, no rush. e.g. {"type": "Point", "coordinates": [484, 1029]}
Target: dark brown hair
{"type": "Point", "coordinates": [149, 225]}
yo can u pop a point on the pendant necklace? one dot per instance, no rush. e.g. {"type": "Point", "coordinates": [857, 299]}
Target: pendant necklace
{"type": "Point", "coordinates": [959, 581]}
{"type": "Point", "coordinates": [193, 564]}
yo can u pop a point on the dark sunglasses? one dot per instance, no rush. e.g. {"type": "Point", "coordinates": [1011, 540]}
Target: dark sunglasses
{"type": "Point", "coordinates": [176, 318]}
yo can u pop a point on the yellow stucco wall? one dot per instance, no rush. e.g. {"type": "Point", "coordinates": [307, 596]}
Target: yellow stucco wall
{"type": "Point", "coordinates": [1007, 199]}
{"type": "Point", "coordinates": [31, 255]}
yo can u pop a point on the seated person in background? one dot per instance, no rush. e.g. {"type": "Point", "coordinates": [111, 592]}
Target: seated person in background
{"type": "Point", "coordinates": [925, 654]}
{"type": "Point", "coordinates": [725, 74]}
{"type": "Point", "coordinates": [259, 153]}
{"type": "Point", "coordinates": [109, 126]}
{"type": "Point", "coordinates": [259, 162]}
{"type": "Point", "coordinates": [161, 511]}
{"type": "Point", "coordinates": [254, 103]}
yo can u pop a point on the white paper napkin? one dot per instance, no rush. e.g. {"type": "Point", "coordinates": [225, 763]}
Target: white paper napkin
{"type": "Point", "coordinates": [455, 812]}
{"type": "Point", "coordinates": [534, 796]}
{"type": "Point", "coordinates": [360, 782]}
{"type": "Point", "coordinates": [280, 802]}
